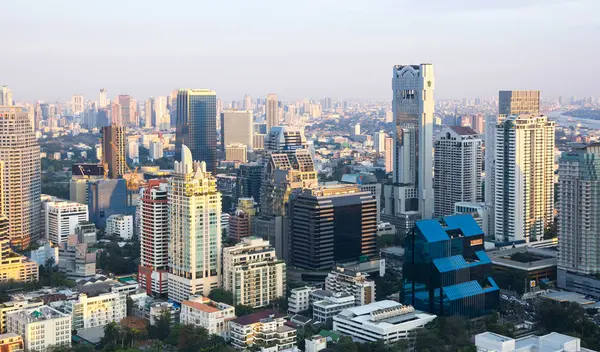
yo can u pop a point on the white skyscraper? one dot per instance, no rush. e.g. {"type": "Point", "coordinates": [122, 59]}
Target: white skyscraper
{"type": "Point", "coordinates": [236, 127]}
{"type": "Point", "coordinates": [357, 129]}
{"type": "Point", "coordinates": [411, 195]}
{"type": "Point", "coordinates": [6, 96]}
{"type": "Point", "coordinates": [103, 98]}
{"type": "Point", "coordinates": [149, 113]}
{"type": "Point", "coordinates": [77, 104]}
{"type": "Point", "coordinates": [272, 111]}
{"type": "Point", "coordinates": [247, 102]}
{"type": "Point", "coordinates": [379, 142]}
{"type": "Point", "coordinates": [195, 229]}
{"type": "Point", "coordinates": [458, 164]}
{"type": "Point", "coordinates": [524, 174]}
{"type": "Point", "coordinates": [61, 219]}
{"type": "Point", "coordinates": [161, 113]}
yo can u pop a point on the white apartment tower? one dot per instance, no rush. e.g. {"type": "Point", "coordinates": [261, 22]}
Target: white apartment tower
{"type": "Point", "coordinates": [524, 187]}
{"type": "Point", "coordinates": [21, 176]}
{"type": "Point", "coordinates": [379, 142]}
{"type": "Point", "coordinates": [411, 195]}
{"type": "Point", "coordinates": [6, 98]}
{"type": "Point", "coordinates": [272, 111]}
{"type": "Point", "coordinates": [103, 98]}
{"type": "Point", "coordinates": [61, 219]}
{"type": "Point", "coordinates": [458, 164]}
{"type": "Point", "coordinates": [195, 229]}
{"type": "Point", "coordinates": [77, 105]}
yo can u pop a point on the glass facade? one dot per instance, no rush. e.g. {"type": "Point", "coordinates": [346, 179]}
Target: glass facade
{"type": "Point", "coordinates": [197, 125]}
{"type": "Point", "coordinates": [447, 271]}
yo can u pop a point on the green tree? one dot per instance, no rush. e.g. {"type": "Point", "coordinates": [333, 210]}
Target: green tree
{"type": "Point", "coordinates": [345, 344]}
{"type": "Point", "coordinates": [111, 335]}
{"type": "Point", "coordinates": [162, 327]}
{"type": "Point", "coordinates": [241, 310]}
{"type": "Point", "coordinates": [221, 295]}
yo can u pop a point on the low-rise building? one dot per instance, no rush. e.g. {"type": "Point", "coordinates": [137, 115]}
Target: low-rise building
{"type": "Point", "coordinates": [211, 315]}
{"type": "Point", "coordinates": [11, 342]}
{"type": "Point", "coordinates": [13, 306]}
{"type": "Point", "coordinates": [41, 327]}
{"type": "Point", "coordinates": [263, 328]}
{"type": "Point", "coordinates": [315, 344]}
{"type": "Point", "coordinates": [93, 311]}
{"type": "Point", "coordinates": [388, 321]}
{"type": "Point", "coordinates": [74, 259]}
{"type": "Point", "coordinates": [252, 272]}
{"type": "Point", "coordinates": [120, 225]}
{"type": "Point", "coordinates": [299, 299]}
{"type": "Point", "coordinates": [151, 309]}
{"type": "Point", "coordinates": [330, 306]}
{"type": "Point", "coordinates": [86, 232]}
{"type": "Point", "coordinates": [47, 251]}
{"type": "Point", "coordinates": [15, 267]}
{"type": "Point", "coordinates": [346, 280]}
{"type": "Point", "coordinates": [492, 342]}
{"type": "Point", "coordinates": [523, 269]}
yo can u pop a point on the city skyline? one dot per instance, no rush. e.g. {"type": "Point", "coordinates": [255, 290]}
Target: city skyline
{"type": "Point", "coordinates": [515, 45]}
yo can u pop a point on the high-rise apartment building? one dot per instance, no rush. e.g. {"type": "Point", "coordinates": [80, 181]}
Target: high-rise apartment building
{"type": "Point", "coordinates": [252, 272]}
{"type": "Point", "coordinates": [272, 115]}
{"type": "Point", "coordinates": [389, 154]}
{"type": "Point", "coordinates": [524, 178]}
{"type": "Point", "coordinates": [411, 195]}
{"type": "Point", "coordinates": [126, 113]}
{"type": "Point", "coordinates": [197, 125]}
{"type": "Point", "coordinates": [149, 113]}
{"type": "Point", "coordinates": [77, 104]}
{"type": "Point", "coordinates": [41, 328]}
{"type": "Point", "coordinates": [156, 150]}
{"type": "Point", "coordinates": [379, 142]}
{"type": "Point", "coordinates": [61, 219]}
{"type": "Point", "coordinates": [458, 166]}
{"type": "Point", "coordinates": [6, 98]}
{"type": "Point", "coordinates": [162, 116]}
{"type": "Point", "coordinates": [154, 237]}
{"type": "Point", "coordinates": [103, 101]}
{"type": "Point", "coordinates": [113, 150]}
{"type": "Point", "coordinates": [236, 127]}
{"type": "Point", "coordinates": [332, 224]}
{"type": "Point", "coordinates": [194, 228]}
{"type": "Point", "coordinates": [517, 102]}
{"type": "Point", "coordinates": [248, 181]}
{"type": "Point", "coordinates": [20, 175]}
{"type": "Point", "coordinates": [248, 103]}
{"type": "Point", "coordinates": [447, 271]}
{"type": "Point", "coordinates": [284, 139]}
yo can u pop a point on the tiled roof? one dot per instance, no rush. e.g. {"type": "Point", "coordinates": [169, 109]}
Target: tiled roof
{"type": "Point", "coordinates": [257, 317]}
{"type": "Point", "coordinates": [201, 306]}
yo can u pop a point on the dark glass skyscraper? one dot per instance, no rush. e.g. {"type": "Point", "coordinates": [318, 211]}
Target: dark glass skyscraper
{"type": "Point", "coordinates": [249, 180]}
{"type": "Point", "coordinates": [197, 125]}
{"type": "Point", "coordinates": [447, 271]}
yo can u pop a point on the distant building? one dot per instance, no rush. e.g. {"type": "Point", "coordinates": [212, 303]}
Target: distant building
{"type": "Point", "coordinates": [366, 182]}
{"type": "Point", "coordinates": [77, 104]}
{"type": "Point", "coordinates": [120, 225]}
{"type": "Point", "coordinates": [156, 150]}
{"type": "Point", "coordinates": [29, 323]}
{"type": "Point", "coordinates": [386, 321]}
{"type": "Point", "coordinates": [447, 271]}
{"type": "Point", "coordinates": [248, 181]}
{"type": "Point", "coordinates": [113, 150]}
{"type": "Point", "coordinates": [489, 341]}
{"type": "Point", "coordinates": [237, 128]}
{"type": "Point", "coordinates": [261, 328]}
{"type": "Point", "coordinates": [458, 163]}
{"type": "Point", "coordinates": [272, 116]}
{"type": "Point", "coordinates": [236, 152]}
{"type": "Point", "coordinates": [517, 102]}
{"type": "Point", "coordinates": [389, 154]}
{"type": "Point", "coordinates": [106, 198]}
{"type": "Point", "coordinates": [211, 315]}
{"type": "Point", "coordinates": [86, 232]}
{"type": "Point", "coordinates": [379, 142]}
{"type": "Point", "coordinates": [252, 272]}
{"type": "Point", "coordinates": [62, 217]}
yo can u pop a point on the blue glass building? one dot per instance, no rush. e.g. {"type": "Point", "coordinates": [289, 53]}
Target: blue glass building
{"type": "Point", "coordinates": [446, 271]}
{"type": "Point", "coordinates": [197, 125]}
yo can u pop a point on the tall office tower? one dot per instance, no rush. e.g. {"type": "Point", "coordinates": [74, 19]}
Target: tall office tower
{"type": "Point", "coordinates": [447, 271]}
{"type": "Point", "coordinates": [103, 102]}
{"type": "Point", "coordinates": [478, 123]}
{"type": "Point", "coordinates": [389, 154]}
{"type": "Point", "coordinates": [236, 127]}
{"type": "Point", "coordinates": [517, 102]}
{"type": "Point", "coordinates": [195, 229]}
{"type": "Point", "coordinates": [61, 219]}
{"type": "Point", "coordinates": [6, 96]}
{"type": "Point", "coordinates": [149, 114]}
{"type": "Point", "coordinates": [272, 111]}
{"type": "Point", "coordinates": [77, 104]}
{"type": "Point", "coordinates": [458, 163]}
{"type": "Point", "coordinates": [379, 142]}
{"type": "Point", "coordinates": [133, 111]}
{"type": "Point", "coordinates": [236, 152]}
{"type": "Point", "coordinates": [411, 195]}
{"type": "Point", "coordinates": [248, 181]}
{"type": "Point", "coordinates": [197, 126]}
{"type": "Point", "coordinates": [365, 182]}
{"type": "Point", "coordinates": [125, 109]}
{"type": "Point", "coordinates": [154, 237]}
{"type": "Point", "coordinates": [252, 272]}
{"type": "Point", "coordinates": [155, 150]}
{"type": "Point", "coordinates": [330, 225]}
{"type": "Point", "coordinates": [21, 176]}
{"type": "Point", "coordinates": [285, 139]}
{"type": "Point", "coordinates": [524, 187]}
{"type": "Point", "coordinates": [133, 150]}
{"type": "Point", "coordinates": [162, 116]}
{"type": "Point", "coordinates": [115, 114]}
{"type": "Point", "coordinates": [491, 122]}
{"type": "Point", "coordinates": [113, 150]}
{"type": "Point", "coordinates": [327, 103]}
{"type": "Point", "coordinates": [248, 103]}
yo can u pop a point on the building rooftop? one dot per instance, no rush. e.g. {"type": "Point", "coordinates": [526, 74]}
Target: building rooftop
{"type": "Point", "coordinates": [258, 317]}
{"type": "Point", "coordinates": [201, 306]}
{"type": "Point", "coordinates": [384, 314]}
{"type": "Point", "coordinates": [37, 314]}
{"type": "Point", "coordinates": [464, 130]}
{"type": "Point", "coordinates": [524, 258]}
{"type": "Point", "coordinates": [564, 296]}
{"type": "Point", "coordinates": [461, 225]}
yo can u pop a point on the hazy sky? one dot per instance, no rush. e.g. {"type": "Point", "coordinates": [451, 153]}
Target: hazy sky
{"type": "Point", "coordinates": [297, 48]}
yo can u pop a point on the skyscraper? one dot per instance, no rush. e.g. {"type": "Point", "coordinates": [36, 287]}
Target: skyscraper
{"type": "Point", "coordinates": [113, 149]}
{"type": "Point", "coordinates": [524, 178]}
{"type": "Point", "coordinates": [411, 195]}
{"type": "Point", "coordinates": [249, 180]}
{"type": "Point", "coordinates": [389, 154]}
{"type": "Point", "coordinates": [236, 127]}
{"type": "Point", "coordinates": [149, 113]}
{"type": "Point", "coordinates": [332, 224]}
{"type": "Point", "coordinates": [379, 142]}
{"type": "Point", "coordinates": [6, 96]}
{"type": "Point", "coordinates": [125, 110]}
{"type": "Point", "coordinates": [248, 103]}
{"type": "Point", "coordinates": [20, 176]}
{"type": "Point", "coordinates": [195, 229]}
{"type": "Point", "coordinates": [77, 104]}
{"type": "Point", "coordinates": [516, 102]}
{"type": "Point", "coordinates": [154, 237]}
{"type": "Point", "coordinates": [197, 125]}
{"type": "Point", "coordinates": [458, 165]}
{"type": "Point", "coordinates": [162, 117]}
{"type": "Point", "coordinates": [103, 98]}
{"type": "Point", "coordinates": [272, 111]}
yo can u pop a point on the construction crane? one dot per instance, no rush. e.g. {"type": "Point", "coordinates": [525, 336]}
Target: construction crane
{"type": "Point", "coordinates": [133, 183]}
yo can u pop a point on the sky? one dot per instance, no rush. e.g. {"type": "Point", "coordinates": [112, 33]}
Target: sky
{"type": "Point", "coordinates": [344, 49]}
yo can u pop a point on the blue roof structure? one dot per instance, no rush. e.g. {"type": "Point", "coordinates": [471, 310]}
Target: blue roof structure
{"type": "Point", "coordinates": [466, 289]}
{"type": "Point", "coordinates": [450, 263]}
{"type": "Point", "coordinates": [432, 230]}
{"type": "Point", "coordinates": [465, 222]}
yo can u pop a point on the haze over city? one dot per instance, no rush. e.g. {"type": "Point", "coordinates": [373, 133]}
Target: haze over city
{"type": "Point", "coordinates": [343, 49]}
